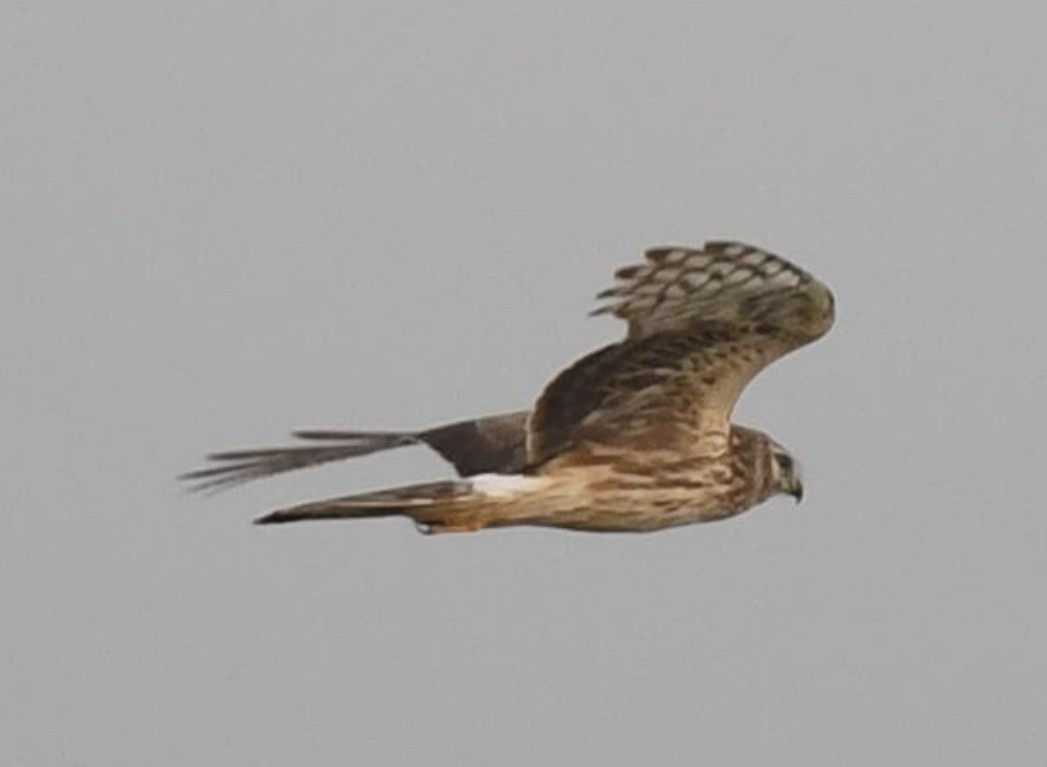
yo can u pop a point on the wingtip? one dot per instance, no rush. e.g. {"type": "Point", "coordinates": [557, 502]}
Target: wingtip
{"type": "Point", "coordinates": [277, 518]}
{"type": "Point", "coordinates": [210, 481]}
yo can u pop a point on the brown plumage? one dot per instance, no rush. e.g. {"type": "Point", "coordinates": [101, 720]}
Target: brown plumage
{"type": "Point", "coordinates": [634, 436]}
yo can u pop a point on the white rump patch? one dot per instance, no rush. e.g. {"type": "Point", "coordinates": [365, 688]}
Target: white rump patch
{"type": "Point", "coordinates": [504, 485]}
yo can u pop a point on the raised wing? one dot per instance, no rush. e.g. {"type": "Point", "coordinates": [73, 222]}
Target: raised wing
{"type": "Point", "coordinates": [702, 323]}
{"type": "Point", "coordinates": [723, 281]}
{"type": "Point", "coordinates": [494, 444]}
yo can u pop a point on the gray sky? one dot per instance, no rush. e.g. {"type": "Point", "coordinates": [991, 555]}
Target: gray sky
{"type": "Point", "coordinates": [222, 221]}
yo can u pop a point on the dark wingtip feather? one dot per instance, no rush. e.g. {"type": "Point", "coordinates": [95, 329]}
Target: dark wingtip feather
{"type": "Point", "coordinates": [244, 465]}
{"type": "Point", "coordinates": [277, 518]}
{"type": "Point", "coordinates": [390, 438]}
{"type": "Point", "coordinates": [659, 253]}
{"type": "Point", "coordinates": [628, 272]}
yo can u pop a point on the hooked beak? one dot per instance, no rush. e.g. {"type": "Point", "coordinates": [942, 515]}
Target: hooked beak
{"type": "Point", "coordinates": [796, 490]}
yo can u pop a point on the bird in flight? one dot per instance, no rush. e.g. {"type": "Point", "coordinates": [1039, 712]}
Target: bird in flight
{"type": "Point", "coordinates": [635, 436]}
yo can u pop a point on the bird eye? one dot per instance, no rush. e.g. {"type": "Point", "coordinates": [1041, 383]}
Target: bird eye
{"type": "Point", "coordinates": [785, 462]}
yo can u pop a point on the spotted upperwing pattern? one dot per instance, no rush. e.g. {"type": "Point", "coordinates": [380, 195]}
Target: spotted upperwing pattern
{"type": "Point", "coordinates": [677, 287]}
{"type": "Point", "coordinates": [701, 324]}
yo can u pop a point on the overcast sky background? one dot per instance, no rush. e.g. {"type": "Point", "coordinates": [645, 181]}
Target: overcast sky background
{"type": "Point", "coordinates": [222, 221]}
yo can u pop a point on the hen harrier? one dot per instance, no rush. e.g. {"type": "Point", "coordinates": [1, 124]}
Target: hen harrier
{"type": "Point", "coordinates": [635, 436]}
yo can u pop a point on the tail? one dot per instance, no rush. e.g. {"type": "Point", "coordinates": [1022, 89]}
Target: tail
{"type": "Point", "coordinates": [453, 506]}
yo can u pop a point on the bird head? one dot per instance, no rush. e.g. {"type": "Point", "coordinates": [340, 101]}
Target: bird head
{"type": "Point", "coordinates": [785, 472]}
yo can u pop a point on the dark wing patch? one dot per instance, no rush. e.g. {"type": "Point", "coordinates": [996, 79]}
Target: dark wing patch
{"type": "Point", "coordinates": [496, 444]}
